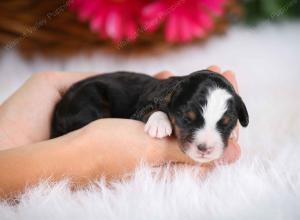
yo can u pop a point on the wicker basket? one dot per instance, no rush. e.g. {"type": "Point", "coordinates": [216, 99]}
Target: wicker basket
{"type": "Point", "coordinates": [48, 27]}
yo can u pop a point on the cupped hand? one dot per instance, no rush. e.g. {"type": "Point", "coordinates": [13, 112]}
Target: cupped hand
{"type": "Point", "coordinates": [25, 116]}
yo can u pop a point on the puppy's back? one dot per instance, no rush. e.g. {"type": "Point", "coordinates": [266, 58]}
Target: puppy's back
{"type": "Point", "coordinates": [101, 96]}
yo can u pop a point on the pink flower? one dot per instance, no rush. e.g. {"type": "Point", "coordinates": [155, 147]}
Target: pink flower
{"type": "Point", "coordinates": [115, 19]}
{"type": "Point", "coordinates": [184, 20]}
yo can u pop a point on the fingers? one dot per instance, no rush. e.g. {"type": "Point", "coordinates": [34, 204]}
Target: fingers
{"type": "Point", "coordinates": [230, 76]}
{"type": "Point", "coordinates": [231, 154]}
{"type": "Point", "coordinates": [235, 133]}
{"type": "Point", "coordinates": [163, 74]}
{"type": "Point", "coordinates": [214, 68]}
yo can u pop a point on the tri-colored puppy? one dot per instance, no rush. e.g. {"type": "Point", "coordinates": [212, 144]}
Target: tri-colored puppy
{"type": "Point", "coordinates": [201, 109]}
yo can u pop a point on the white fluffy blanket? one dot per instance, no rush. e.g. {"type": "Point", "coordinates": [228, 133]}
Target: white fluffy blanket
{"type": "Point", "coordinates": [263, 184]}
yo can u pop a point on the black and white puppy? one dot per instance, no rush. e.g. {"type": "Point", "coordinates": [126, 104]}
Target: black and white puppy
{"type": "Point", "coordinates": [201, 109]}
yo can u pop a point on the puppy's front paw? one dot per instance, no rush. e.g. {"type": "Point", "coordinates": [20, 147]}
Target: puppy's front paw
{"type": "Point", "coordinates": [158, 125]}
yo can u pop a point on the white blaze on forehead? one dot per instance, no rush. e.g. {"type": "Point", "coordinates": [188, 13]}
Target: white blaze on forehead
{"type": "Point", "coordinates": [215, 107]}
{"type": "Point", "coordinates": [208, 135]}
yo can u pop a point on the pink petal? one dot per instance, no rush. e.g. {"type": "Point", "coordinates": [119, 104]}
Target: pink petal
{"type": "Point", "coordinates": [205, 21]}
{"type": "Point", "coordinates": [97, 22]}
{"type": "Point", "coordinates": [113, 26]}
{"type": "Point", "coordinates": [171, 32]}
{"type": "Point", "coordinates": [196, 27]}
{"type": "Point", "coordinates": [87, 10]}
{"type": "Point", "coordinates": [152, 16]}
{"type": "Point", "coordinates": [131, 31]}
{"type": "Point", "coordinates": [185, 30]}
{"type": "Point", "coordinates": [152, 10]}
{"type": "Point", "coordinates": [198, 32]}
{"type": "Point", "coordinates": [215, 6]}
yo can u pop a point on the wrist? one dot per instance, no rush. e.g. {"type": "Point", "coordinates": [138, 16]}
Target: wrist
{"type": "Point", "coordinates": [78, 160]}
{"type": "Point", "coordinates": [5, 141]}
{"type": "Point", "coordinates": [11, 135]}
{"type": "Point", "coordinates": [160, 151]}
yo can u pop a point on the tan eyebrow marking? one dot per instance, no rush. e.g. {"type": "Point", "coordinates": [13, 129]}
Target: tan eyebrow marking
{"type": "Point", "coordinates": [172, 120]}
{"type": "Point", "coordinates": [225, 119]}
{"type": "Point", "coordinates": [177, 131]}
{"type": "Point", "coordinates": [191, 115]}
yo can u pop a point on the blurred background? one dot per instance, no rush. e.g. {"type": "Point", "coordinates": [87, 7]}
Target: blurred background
{"type": "Point", "coordinates": [255, 38]}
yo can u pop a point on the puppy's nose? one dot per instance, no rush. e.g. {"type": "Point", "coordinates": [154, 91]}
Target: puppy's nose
{"type": "Point", "coordinates": [202, 148]}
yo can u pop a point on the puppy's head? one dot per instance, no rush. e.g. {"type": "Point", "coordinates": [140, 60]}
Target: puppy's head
{"type": "Point", "coordinates": [204, 110]}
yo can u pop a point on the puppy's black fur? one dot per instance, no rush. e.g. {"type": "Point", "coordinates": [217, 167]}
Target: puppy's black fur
{"type": "Point", "coordinates": [137, 96]}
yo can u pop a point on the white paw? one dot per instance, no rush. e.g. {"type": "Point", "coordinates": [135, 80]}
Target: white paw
{"type": "Point", "coordinates": [158, 125]}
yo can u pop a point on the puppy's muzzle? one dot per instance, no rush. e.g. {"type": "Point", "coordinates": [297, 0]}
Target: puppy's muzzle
{"type": "Point", "coordinates": [203, 149]}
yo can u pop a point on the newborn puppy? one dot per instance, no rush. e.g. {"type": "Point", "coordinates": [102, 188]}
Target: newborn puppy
{"type": "Point", "coordinates": [201, 109]}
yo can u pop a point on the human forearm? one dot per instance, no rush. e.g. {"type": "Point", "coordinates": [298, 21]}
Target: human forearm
{"type": "Point", "coordinates": [85, 155]}
{"type": "Point", "coordinates": [26, 165]}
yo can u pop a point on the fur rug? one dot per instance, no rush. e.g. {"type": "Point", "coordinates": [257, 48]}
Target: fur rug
{"type": "Point", "coordinates": [263, 184]}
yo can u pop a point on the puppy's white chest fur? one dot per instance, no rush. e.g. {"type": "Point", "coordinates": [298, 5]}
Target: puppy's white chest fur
{"type": "Point", "coordinates": [158, 125]}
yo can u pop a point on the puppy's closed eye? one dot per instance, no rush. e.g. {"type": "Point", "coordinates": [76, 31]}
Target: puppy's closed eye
{"type": "Point", "coordinates": [225, 120]}
{"type": "Point", "coordinates": [191, 115]}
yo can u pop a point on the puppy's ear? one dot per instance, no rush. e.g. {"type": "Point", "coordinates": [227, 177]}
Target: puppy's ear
{"type": "Point", "coordinates": [242, 111]}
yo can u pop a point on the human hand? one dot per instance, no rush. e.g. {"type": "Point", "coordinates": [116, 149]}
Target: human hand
{"type": "Point", "coordinates": [25, 116]}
